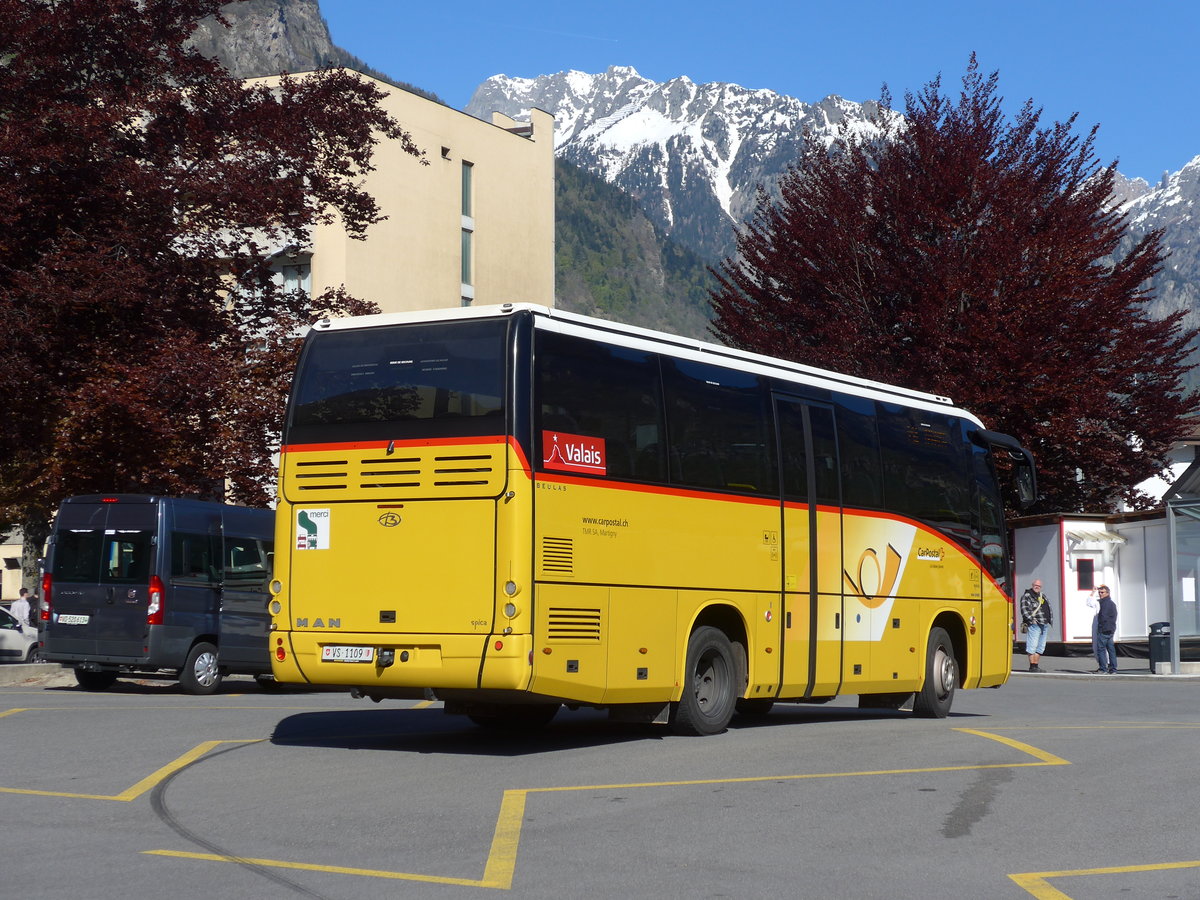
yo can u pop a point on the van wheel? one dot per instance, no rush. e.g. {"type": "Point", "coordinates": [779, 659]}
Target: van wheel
{"type": "Point", "coordinates": [95, 681]}
{"type": "Point", "coordinates": [709, 690]}
{"type": "Point", "coordinates": [200, 674]}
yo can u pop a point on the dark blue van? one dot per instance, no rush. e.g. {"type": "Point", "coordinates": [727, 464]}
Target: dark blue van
{"type": "Point", "coordinates": [141, 584]}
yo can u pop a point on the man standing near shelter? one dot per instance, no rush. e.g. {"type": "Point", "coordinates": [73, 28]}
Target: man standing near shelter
{"type": "Point", "coordinates": [1036, 619]}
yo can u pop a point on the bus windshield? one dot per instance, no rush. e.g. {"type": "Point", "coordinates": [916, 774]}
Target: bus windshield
{"type": "Point", "coordinates": [398, 382]}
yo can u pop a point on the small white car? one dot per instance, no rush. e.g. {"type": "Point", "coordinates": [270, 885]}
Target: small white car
{"type": "Point", "coordinates": [17, 646]}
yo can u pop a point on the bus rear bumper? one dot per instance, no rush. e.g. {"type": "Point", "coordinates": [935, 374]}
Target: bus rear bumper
{"type": "Point", "coordinates": [404, 662]}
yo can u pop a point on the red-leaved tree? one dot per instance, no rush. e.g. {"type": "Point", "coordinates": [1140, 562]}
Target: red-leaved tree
{"type": "Point", "coordinates": [145, 344]}
{"type": "Point", "coordinates": [968, 254]}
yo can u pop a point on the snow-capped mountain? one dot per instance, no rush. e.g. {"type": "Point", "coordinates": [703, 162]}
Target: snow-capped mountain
{"type": "Point", "coordinates": [1173, 206]}
{"type": "Point", "coordinates": [694, 155]}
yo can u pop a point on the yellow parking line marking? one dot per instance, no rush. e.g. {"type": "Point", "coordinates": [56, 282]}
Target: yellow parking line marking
{"type": "Point", "coordinates": [312, 867]}
{"type": "Point", "coordinates": [502, 856]}
{"type": "Point", "coordinates": [9, 712]}
{"type": "Point", "coordinates": [1048, 758]}
{"type": "Point", "coordinates": [175, 765]}
{"type": "Point", "coordinates": [423, 704]}
{"type": "Point", "coordinates": [1035, 882]}
{"type": "Point", "coordinates": [132, 793]}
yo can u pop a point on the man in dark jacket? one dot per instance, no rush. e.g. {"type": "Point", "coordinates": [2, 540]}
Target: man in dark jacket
{"type": "Point", "coordinates": [1106, 628]}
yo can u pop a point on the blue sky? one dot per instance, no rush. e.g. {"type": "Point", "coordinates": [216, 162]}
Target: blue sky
{"type": "Point", "coordinates": [1131, 68]}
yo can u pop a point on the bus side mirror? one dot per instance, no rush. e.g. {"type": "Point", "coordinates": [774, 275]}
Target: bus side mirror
{"type": "Point", "coordinates": [1026, 489]}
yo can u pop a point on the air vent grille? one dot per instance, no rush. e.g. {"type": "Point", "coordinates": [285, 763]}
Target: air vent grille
{"type": "Point", "coordinates": [574, 625]}
{"type": "Point", "coordinates": [400, 475]}
{"type": "Point", "coordinates": [558, 556]}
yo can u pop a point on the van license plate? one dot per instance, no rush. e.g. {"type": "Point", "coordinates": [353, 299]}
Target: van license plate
{"type": "Point", "coordinates": [337, 653]}
{"type": "Point", "coordinates": [69, 619]}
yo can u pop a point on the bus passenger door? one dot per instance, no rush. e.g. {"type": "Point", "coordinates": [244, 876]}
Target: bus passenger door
{"type": "Point", "coordinates": [812, 657]}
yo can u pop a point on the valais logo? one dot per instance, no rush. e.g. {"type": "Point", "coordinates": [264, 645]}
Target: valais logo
{"type": "Point", "coordinates": [573, 453]}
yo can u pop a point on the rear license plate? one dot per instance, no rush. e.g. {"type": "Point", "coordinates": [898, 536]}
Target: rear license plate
{"type": "Point", "coordinates": [339, 653]}
{"type": "Point", "coordinates": [71, 619]}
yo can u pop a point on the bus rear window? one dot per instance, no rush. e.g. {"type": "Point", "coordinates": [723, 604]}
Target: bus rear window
{"type": "Point", "coordinates": [400, 381]}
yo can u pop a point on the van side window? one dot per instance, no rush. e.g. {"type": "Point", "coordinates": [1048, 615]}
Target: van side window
{"type": "Point", "coordinates": [194, 558]}
{"type": "Point", "coordinates": [247, 564]}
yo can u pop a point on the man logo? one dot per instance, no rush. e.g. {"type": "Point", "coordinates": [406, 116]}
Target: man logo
{"type": "Point", "coordinates": [389, 520]}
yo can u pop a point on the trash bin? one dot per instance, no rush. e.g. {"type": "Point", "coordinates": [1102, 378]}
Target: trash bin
{"type": "Point", "coordinates": [1160, 644]}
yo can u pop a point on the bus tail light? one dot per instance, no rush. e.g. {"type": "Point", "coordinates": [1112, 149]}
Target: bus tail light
{"type": "Point", "coordinates": [47, 584]}
{"type": "Point", "coordinates": [155, 608]}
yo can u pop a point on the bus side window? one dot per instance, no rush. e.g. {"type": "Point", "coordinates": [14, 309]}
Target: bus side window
{"type": "Point", "coordinates": [858, 447]}
{"type": "Point", "coordinates": [601, 391]}
{"type": "Point", "coordinates": [720, 428]}
{"type": "Point", "coordinates": [925, 469]}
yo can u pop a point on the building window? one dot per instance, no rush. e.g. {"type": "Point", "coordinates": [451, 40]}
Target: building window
{"type": "Point", "coordinates": [468, 237]}
{"type": "Point", "coordinates": [1085, 574]}
{"type": "Point", "coordinates": [466, 189]}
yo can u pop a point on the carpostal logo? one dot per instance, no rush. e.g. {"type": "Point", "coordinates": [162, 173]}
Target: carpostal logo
{"type": "Point", "coordinates": [573, 453]}
{"type": "Point", "coordinates": [934, 554]}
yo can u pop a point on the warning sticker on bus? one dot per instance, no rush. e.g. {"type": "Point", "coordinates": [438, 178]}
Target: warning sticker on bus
{"type": "Point", "coordinates": [573, 453]}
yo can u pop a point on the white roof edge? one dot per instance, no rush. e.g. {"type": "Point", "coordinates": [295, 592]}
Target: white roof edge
{"type": "Point", "coordinates": [833, 379]}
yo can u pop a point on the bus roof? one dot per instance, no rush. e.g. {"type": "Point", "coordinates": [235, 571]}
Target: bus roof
{"type": "Point", "coordinates": [633, 335]}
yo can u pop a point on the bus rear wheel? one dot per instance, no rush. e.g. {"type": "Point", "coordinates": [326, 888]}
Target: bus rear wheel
{"type": "Point", "coordinates": [941, 678]}
{"type": "Point", "coordinates": [709, 691]}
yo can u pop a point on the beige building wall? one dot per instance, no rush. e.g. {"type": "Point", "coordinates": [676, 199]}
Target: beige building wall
{"type": "Point", "coordinates": [414, 259]}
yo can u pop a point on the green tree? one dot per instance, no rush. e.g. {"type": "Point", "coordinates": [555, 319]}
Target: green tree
{"type": "Point", "coordinates": [143, 192]}
{"type": "Point", "coordinates": [964, 253]}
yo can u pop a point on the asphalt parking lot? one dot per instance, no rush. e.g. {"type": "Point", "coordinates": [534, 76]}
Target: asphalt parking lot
{"type": "Point", "coordinates": [1062, 787]}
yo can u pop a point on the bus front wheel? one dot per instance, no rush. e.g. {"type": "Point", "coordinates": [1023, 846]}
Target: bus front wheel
{"type": "Point", "coordinates": [709, 691]}
{"type": "Point", "coordinates": [941, 678]}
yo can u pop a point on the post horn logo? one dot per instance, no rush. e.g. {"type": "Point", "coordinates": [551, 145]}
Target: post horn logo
{"type": "Point", "coordinates": [875, 583]}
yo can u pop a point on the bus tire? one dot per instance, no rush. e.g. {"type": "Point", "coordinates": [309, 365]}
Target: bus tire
{"type": "Point", "coordinates": [941, 678]}
{"type": "Point", "coordinates": [95, 681]}
{"type": "Point", "coordinates": [709, 688]}
{"type": "Point", "coordinates": [200, 674]}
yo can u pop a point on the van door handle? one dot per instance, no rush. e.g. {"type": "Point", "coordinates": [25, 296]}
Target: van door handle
{"type": "Point", "coordinates": [109, 597]}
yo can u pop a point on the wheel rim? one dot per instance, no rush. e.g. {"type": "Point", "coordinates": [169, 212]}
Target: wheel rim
{"type": "Point", "coordinates": [710, 676]}
{"type": "Point", "coordinates": [943, 673]}
{"type": "Point", "coordinates": [206, 669]}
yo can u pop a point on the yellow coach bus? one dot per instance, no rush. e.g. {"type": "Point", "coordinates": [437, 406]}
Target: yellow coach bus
{"type": "Point", "coordinates": [513, 508]}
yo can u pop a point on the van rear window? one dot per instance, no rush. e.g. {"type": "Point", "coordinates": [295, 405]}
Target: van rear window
{"type": "Point", "coordinates": [103, 556]}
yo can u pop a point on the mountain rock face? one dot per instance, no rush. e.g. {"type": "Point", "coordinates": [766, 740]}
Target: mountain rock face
{"type": "Point", "coordinates": [266, 37]}
{"type": "Point", "coordinates": [1173, 206]}
{"type": "Point", "coordinates": [694, 155]}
